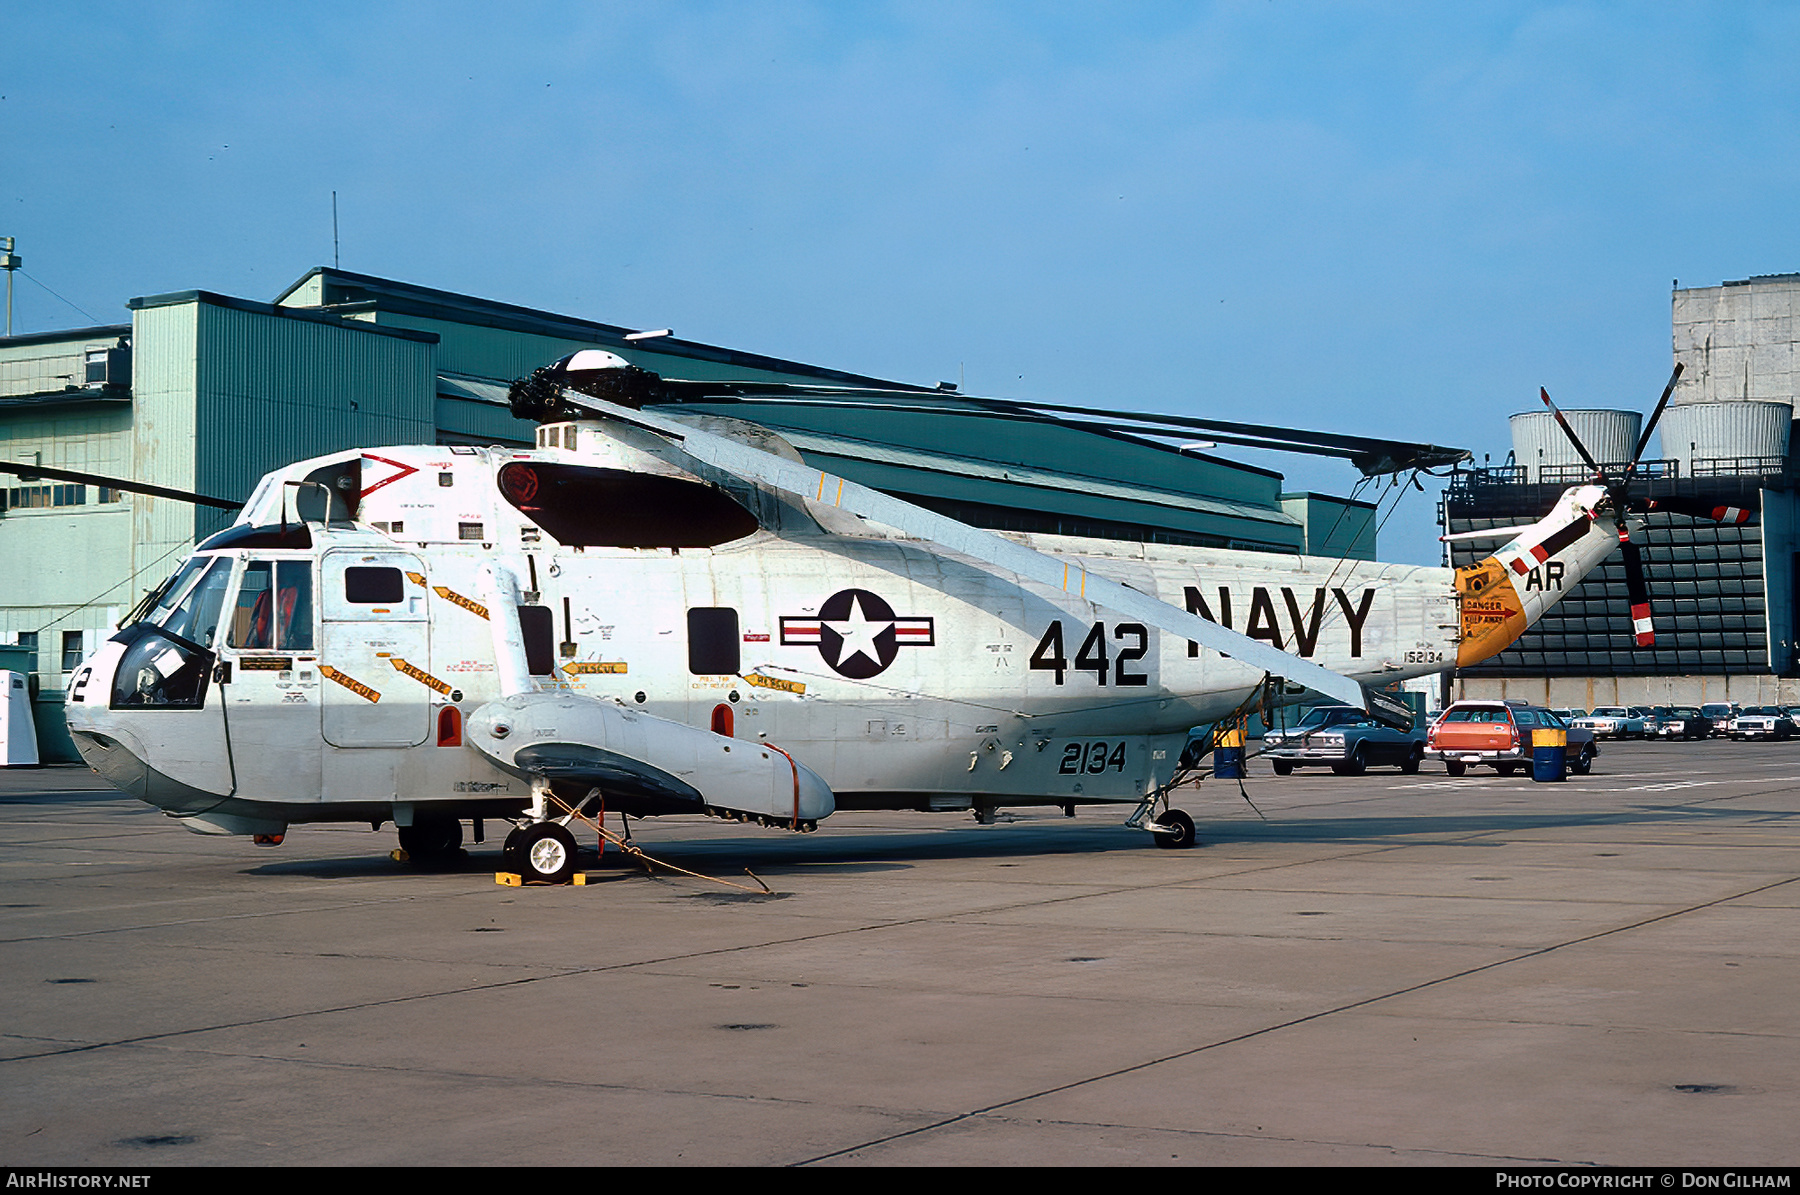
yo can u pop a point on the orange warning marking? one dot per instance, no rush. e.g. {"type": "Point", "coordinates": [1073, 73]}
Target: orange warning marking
{"type": "Point", "coordinates": [419, 674]}
{"type": "Point", "coordinates": [590, 666]}
{"type": "Point", "coordinates": [355, 686]}
{"type": "Point", "coordinates": [450, 595]}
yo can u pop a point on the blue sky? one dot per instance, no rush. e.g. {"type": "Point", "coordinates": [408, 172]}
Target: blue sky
{"type": "Point", "coordinates": [1394, 219]}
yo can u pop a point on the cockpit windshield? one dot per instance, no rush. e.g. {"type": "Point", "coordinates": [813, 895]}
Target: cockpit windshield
{"type": "Point", "coordinates": [196, 617]}
{"type": "Point", "coordinates": [156, 604]}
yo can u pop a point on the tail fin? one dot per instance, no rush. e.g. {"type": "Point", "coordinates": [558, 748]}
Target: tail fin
{"type": "Point", "coordinates": [1505, 593]}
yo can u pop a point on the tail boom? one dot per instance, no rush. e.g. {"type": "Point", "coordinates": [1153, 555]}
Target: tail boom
{"type": "Point", "coordinates": [1500, 597]}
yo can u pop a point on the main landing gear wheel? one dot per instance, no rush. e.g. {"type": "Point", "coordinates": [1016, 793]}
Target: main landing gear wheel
{"type": "Point", "coordinates": [1410, 765]}
{"type": "Point", "coordinates": [544, 853]}
{"type": "Point", "coordinates": [1282, 767]}
{"type": "Point", "coordinates": [1180, 832]}
{"type": "Point", "coordinates": [1455, 767]}
{"type": "Point", "coordinates": [431, 839]}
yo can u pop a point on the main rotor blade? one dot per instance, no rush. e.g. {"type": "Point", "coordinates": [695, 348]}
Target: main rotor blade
{"type": "Point", "coordinates": [1637, 592]}
{"type": "Point", "coordinates": [31, 472]}
{"type": "Point", "coordinates": [1644, 440]}
{"type": "Point", "coordinates": [803, 481]}
{"type": "Point", "coordinates": [1370, 455]}
{"type": "Point", "coordinates": [1574, 439]}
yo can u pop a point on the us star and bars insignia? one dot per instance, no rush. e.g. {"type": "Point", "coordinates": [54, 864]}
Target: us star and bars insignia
{"type": "Point", "coordinates": [857, 633]}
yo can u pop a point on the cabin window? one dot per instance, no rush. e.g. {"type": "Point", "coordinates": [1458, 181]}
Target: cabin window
{"type": "Point", "coordinates": [274, 607]}
{"type": "Point", "coordinates": [713, 643]}
{"type": "Point", "coordinates": [370, 586]}
{"type": "Point", "coordinates": [589, 507]}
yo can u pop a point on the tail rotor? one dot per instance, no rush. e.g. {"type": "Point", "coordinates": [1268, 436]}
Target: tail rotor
{"type": "Point", "coordinates": [1618, 498]}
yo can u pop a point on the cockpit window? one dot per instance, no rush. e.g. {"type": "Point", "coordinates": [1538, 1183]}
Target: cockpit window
{"type": "Point", "coordinates": [196, 618]}
{"type": "Point", "coordinates": [589, 507]}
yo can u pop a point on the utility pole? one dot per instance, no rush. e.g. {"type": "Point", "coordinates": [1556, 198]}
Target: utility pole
{"type": "Point", "coordinates": [9, 261]}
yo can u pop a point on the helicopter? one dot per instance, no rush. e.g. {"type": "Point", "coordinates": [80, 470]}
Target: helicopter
{"type": "Point", "coordinates": [656, 612]}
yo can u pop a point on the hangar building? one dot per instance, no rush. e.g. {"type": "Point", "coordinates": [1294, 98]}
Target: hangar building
{"type": "Point", "coordinates": [205, 392]}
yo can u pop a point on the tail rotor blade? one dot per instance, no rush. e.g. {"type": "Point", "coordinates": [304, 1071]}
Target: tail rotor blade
{"type": "Point", "coordinates": [1574, 439]}
{"type": "Point", "coordinates": [1644, 440]}
{"type": "Point", "coordinates": [1702, 508]}
{"type": "Point", "coordinates": [1637, 592]}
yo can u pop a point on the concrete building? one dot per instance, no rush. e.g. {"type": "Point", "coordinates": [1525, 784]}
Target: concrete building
{"type": "Point", "coordinates": [1723, 598]}
{"type": "Point", "coordinates": [205, 392]}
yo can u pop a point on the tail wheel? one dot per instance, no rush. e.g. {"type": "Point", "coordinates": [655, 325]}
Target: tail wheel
{"type": "Point", "coordinates": [1455, 767]}
{"type": "Point", "coordinates": [1282, 767]}
{"type": "Point", "coordinates": [1410, 764]}
{"type": "Point", "coordinates": [544, 853]}
{"type": "Point", "coordinates": [1584, 762]}
{"type": "Point", "coordinates": [1179, 833]}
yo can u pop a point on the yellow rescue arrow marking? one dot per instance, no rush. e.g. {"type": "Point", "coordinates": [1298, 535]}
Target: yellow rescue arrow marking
{"type": "Point", "coordinates": [591, 666]}
{"type": "Point", "coordinates": [450, 595]}
{"type": "Point", "coordinates": [419, 674]}
{"type": "Point", "coordinates": [774, 682]}
{"type": "Point", "coordinates": [355, 686]}
{"type": "Point", "coordinates": [417, 579]}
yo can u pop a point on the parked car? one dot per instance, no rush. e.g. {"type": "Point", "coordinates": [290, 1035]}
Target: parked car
{"type": "Point", "coordinates": [1615, 722]}
{"type": "Point", "coordinates": [1346, 739]}
{"type": "Point", "coordinates": [1499, 734]}
{"type": "Point", "coordinates": [1762, 722]}
{"type": "Point", "coordinates": [1569, 715]}
{"type": "Point", "coordinates": [1679, 722]}
{"type": "Point", "coordinates": [1721, 713]}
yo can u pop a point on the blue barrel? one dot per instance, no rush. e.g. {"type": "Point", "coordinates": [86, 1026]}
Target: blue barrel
{"type": "Point", "coordinates": [1228, 756]}
{"type": "Point", "coordinates": [1549, 756]}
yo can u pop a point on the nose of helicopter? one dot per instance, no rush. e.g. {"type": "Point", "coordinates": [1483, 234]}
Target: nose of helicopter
{"type": "Point", "coordinates": [117, 739]}
{"type": "Point", "coordinates": [110, 749]}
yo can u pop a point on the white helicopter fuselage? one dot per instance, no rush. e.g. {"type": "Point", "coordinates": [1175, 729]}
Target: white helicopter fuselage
{"type": "Point", "coordinates": [368, 668]}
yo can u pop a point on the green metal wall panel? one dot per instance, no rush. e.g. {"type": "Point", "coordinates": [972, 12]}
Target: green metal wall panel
{"type": "Point", "coordinates": [163, 432]}
{"type": "Point", "coordinates": [460, 421]}
{"type": "Point", "coordinates": [1335, 528]}
{"type": "Point", "coordinates": [272, 389]}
